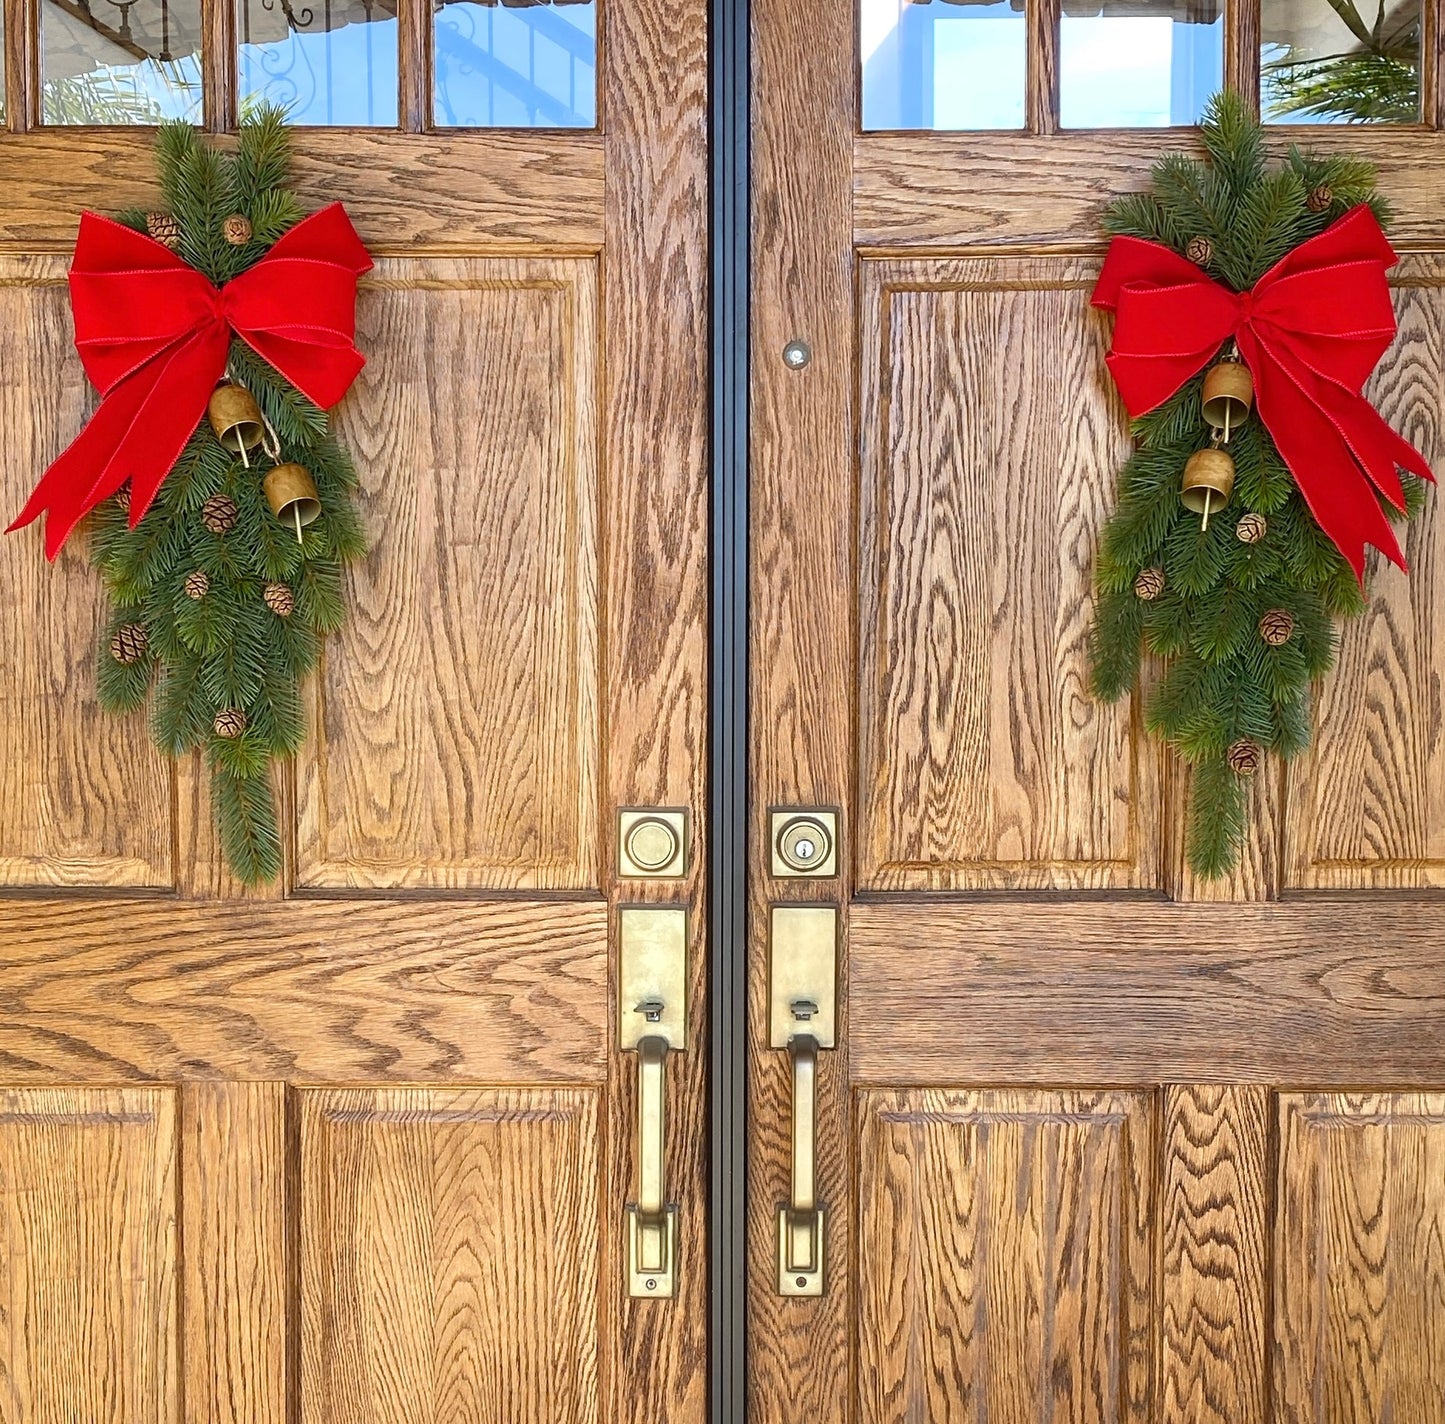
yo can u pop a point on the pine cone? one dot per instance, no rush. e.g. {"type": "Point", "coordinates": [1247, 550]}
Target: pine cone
{"type": "Point", "coordinates": [122, 498]}
{"type": "Point", "coordinates": [197, 584]}
{"type": "Point", "coordinates": [230, 722]}
{"type": "Point", "coordinates": [279, 599]}
{"type": "Point", "coordinates": [1251, 528]}
{"type": "Point", "coordinates": [1277, 627]}
{"type": "Point", "coordinates": [1149, 585]}
{"type": "Point", "coordinates": [237, 229]}
{"type": "Point", "coordinates": [129, 643]}
{"type": "Point", "coordinates": [1200, 251]}
{"type": "Point", "coordinates": [1319, 198]}
{"type": "Point", "coordinates": [165, 229]}
{"type": "Point", "coordinates": [219, 514]}
{"type": "Point", "coordinates": [1244, 757]}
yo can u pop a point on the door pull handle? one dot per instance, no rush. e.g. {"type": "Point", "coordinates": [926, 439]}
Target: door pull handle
{"type": "Point", "coordinates": [802, 1014]}
{"type": "Point", "coordinates": [653, 1021]}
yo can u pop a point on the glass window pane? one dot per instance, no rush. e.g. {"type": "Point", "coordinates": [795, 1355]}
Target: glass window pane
{"type": "Point", "coordinates": [119, 61]}
{"type": "Point", "coordinates": [532, 66]}
{"type": "Point", "coordinates": [328, 62]}
{"type": "Point", "coordinates": [957, 64]}
{"type": "Point", "coordinates": [1340, 61]}
{"type": "Point", "coordinates": [1138, 63]}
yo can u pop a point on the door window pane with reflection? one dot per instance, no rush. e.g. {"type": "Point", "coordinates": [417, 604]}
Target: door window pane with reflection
{"type": "Point", "coordinates": [510, 66]}
{"type": "Point", "coordinates": [942, 64]}
{"type": "Point", "coordinates": [119, 61]}
{"type": "Point", "coordinates": [1138, 63]}
{"type": "Point", "coordinates": [1340, 61]}
{"type": "Point", "coordinates": [324, 62]}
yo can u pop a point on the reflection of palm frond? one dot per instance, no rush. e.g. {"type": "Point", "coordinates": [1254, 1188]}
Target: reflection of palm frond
{"type": "Point", "coordinates": [99, 97]}
{"type": "Point", "coordinates": [1377, 82]}
{"type": "Point", "coordinates": [1353, 88]}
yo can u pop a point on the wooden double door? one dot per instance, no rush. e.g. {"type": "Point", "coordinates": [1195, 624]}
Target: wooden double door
{"type": "Point", "coordinates": [1092, 1141]}
{"type": "Point", "coordinates": [1095, 1141]}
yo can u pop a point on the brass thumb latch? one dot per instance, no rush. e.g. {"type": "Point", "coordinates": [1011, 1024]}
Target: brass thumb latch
{"type": "Point", "coordinates": [802, 998]}
{"type": "Point", "coordinates": [652, 1008]}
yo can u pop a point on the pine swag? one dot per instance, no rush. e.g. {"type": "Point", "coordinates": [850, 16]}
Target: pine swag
{"type": "Point", "coordinates": [217, 605]}
{"type": "Point", "coordinates": [1240, 607]}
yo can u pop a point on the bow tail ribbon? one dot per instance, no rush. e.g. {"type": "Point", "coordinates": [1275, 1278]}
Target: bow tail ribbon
{"type": "Point", "coordinates": [137, 434]}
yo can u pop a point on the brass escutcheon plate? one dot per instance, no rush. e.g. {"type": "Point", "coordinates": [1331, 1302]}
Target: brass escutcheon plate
{"type": "Point", "coordinates": [652, 843]}
{"type": "Point", "coordinates": [804, 842]}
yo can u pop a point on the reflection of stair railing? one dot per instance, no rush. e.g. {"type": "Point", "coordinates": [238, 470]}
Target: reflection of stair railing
{"type": "Point", "coordinates": [457, 49]}
{"type": "Point", "coordinates": [120, 38]}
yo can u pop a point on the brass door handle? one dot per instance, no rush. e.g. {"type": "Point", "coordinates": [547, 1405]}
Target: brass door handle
{"type": "Point", "coordinates": [800, 1223]}
{"type": "Point", "coordinates": [651, 1133]}
{"type": "Point", "coordinates": [652, 1021]}
{"type": "Point", "coordinates": [802, 995]}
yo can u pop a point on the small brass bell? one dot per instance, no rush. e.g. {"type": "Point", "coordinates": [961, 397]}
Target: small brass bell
{"type": "Point", "coordinates": [1228, 396]}
{"type": "Point", "coordinates": [236, 418]}
{"type": "Point", "coordinates": [291, 493]}
{"type": "Point", "coordinates": [1208, 482]}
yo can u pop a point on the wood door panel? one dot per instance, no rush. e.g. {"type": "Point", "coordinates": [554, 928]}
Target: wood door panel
{"type": "Point", "coordinates": [455, 191]}
{"type": "Point", "coordinates": [960, 190]}
{"type": "Point", "coordinates": [1213, 1218]}
{"type": "Point", "coordinates": [237, 1280]}
{"type": "Point", "coordinates": [1360, 1268]}
{"type": "Point", "coordinates": [1005, 992]}
{"type": "Point", "coordinates": [318, 991]}
{"type": "Point", "coordinates": [86, 796]}
{"type": "Point", "coordinates": [457, 713]}
{"type": "Point", "coordinates": [449, 1255]}
{"type": "Point", "coordinates": [1005, 1251]}
{"type": "Point", "coordinates": [1367, 806]}
{"type": "Point", "coordinates": [88, 1256]}
{"type": "Point", "coordinates": [983, 760]}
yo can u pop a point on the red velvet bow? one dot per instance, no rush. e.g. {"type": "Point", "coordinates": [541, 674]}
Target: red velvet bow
{"type": "Point", "coordinates": [153, 334]}
{"type": "Point", "coordinates": [1311, 331]}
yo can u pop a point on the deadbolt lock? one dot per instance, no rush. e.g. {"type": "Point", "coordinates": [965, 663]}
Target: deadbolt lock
{"type": "Point", "coordinates": [652, 843]}
{"type": "Point", "coordinates": [804, 842]}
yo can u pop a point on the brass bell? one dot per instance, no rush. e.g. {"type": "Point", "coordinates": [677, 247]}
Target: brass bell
{"type": "Point", "coordinates": [1208, 482]}
{"type": "Point", "coordinates": [236, 418]}
{"type": "Point", "coordinates": [291, 493]}
{"type": "Point", "coordinates": [1228, 396]}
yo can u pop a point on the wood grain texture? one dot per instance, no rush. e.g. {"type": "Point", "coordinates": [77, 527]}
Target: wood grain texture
{"type": "Point", "coordinates": [449, 1264]}
{"type": "Point", "coordinates": [88, 1267]}
{"type": "Point", "coordinates": [1360, 1259]}
{"type": "Point", "coordinates": [85, 796]}
{"type": "Point", "coordinates": [306, 991]}
{"type": "Point", "coordinates": [802, 668]}
{"type": "Point", "coordinates": [456, 191]}
{"type": "Point", "coordinates": [1004, 1246]}
{"type": "Point", "coordinates": [1333, 993]}
{"type": "Point", "coordinates": [653, 91]}
{"type": "Point", "coordinates": [956, 190]}
{"type": "Point", "coordinates": [989, 453]}
{"type": "Point", "coordinates": [457, 716]}
{"type": "Point", "coordinates": [1367, 805]}
{"type": "Point", "coordinates": [235, 1256]}
{"type": "Point", "coordinates": [1213, 1226]}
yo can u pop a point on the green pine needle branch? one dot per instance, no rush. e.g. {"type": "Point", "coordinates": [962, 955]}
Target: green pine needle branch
{"type": "Point", "coordinates": [1226, 694]}
{"type": "Point", "coordinates": [231, 606]}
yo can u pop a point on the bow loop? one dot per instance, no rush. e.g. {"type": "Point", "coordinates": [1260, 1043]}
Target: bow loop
{"type": "Point", "coordinates": [1311, 330]}
{"type": "Point", "coordinates": [153, 335]}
